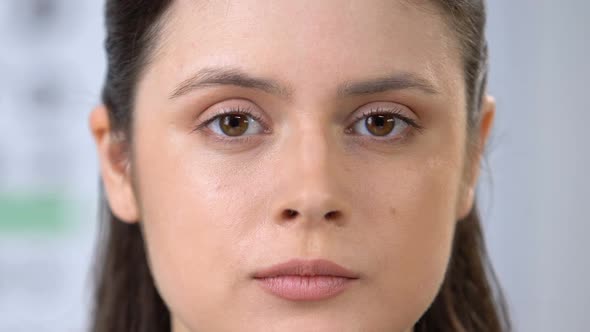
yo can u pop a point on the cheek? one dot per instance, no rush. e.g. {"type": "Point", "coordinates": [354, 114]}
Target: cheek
{"type": "Point", "coordinates": [412, 230]}
{"type": "Point", "coordinates": [195, 210]}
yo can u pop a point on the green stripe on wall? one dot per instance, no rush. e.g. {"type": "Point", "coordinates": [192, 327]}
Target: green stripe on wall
{"type": "Point", "coordinates": [33, 213]}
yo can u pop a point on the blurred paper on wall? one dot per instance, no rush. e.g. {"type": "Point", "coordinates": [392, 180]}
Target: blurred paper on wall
{"type": "Point", "coordinates": [51, 66]}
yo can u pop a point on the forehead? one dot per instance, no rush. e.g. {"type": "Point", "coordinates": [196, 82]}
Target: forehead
{"type": "Point", "coordinates": [308, 43]}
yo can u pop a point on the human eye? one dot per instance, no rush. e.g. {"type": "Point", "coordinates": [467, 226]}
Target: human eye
{"type": "Point", "coordinates": [233, 124]}
{"type": "Point", "coordinates": [384, 123]}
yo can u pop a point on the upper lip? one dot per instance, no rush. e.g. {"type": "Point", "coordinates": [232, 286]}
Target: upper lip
{"type": "Point", "coordinates": [301, 267]}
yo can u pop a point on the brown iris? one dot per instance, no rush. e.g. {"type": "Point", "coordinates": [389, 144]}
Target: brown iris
{"type": "Point", "coordinates": [234, 124]}
{"type": "Point", "coordinates": [381, 124]}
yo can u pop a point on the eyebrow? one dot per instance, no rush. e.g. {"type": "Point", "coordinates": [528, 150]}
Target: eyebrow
{"type": "Point", "coordinates": [397, 81]}
{"type": "Point", "coordinates": [219, 76]}
{"type": "Point", "coordinates": [213, 76]}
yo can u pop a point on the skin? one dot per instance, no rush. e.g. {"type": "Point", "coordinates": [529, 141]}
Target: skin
{"type": "Point", "coordinates": [213, 213]}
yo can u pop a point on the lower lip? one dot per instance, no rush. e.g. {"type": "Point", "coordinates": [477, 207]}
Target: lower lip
{"type": "Point", "coordinates": [305, 288]}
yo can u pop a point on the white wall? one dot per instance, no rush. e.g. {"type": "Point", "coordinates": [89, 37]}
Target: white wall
{"type": "Point", "coordinates": [51, 68]}
{"type": "Point", "coordinates": [538, 224]}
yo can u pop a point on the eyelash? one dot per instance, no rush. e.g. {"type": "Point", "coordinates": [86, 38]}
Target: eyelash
{"type": "Point", "coordinates": [396, 113]}
{"type": "Point", "coordinates": [233, 110]}
{"type": "Point", "coordinates": [247, 112]}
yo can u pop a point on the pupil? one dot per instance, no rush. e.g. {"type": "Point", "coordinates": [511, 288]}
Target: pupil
{"type": "Point", "coordinates": [234, 125]}
{"type": "Point", "coordinates": [234, 121]}
{"type": "Point", "coordinates": [380, 121]}
{"type": "Point", "coordinates": [380, 125]}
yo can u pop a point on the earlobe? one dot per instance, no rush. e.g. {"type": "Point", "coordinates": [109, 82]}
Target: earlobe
{"type": "Point", "coordinates": [488, 111]}
{"type": "Point", "coordinates": [114, 166]}
{"type": "Point", "coordinates": [467, 200]}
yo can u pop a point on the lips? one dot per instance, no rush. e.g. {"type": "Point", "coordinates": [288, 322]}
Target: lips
{"type": "Point", "coordinates": [305, 280]}
{"type": "Point", "coordinates": [298, 267]}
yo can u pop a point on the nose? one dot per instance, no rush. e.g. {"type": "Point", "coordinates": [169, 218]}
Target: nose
{"type": "Point", "coordinates": [310, 210]}
{"type": "Point", "coordinates": [310, 184]}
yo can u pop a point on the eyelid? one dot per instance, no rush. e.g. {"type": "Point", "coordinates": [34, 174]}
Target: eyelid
{"type": "Point", "coordinates": [374, 108]}
{"type": "Point", "coordinates": [393, 109]}
{"type": "Point", "coordinates": [234, 109]}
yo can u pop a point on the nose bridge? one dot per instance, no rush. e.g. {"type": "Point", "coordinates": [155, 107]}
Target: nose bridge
{"type": "Point", "coordinates": [312, 191]}
{"type": "Point", "coordinates": [313, 151]}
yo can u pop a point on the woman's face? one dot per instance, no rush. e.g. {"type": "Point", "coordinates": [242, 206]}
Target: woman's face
{"type": "Point", "coordinates": [345, 141]}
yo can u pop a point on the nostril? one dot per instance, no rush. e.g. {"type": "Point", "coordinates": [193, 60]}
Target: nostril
{"type": "Point", "coordinates": [332, 215]}
{"type": "Point", "coordinates": [289, 214]}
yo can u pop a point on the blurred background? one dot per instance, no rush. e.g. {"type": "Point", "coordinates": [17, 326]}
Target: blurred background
{"type": "Point", "coordinates": [533, 193]}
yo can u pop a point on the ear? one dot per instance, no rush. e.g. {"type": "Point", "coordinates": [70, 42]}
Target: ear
{"type": "Point", "coordinates": [114, 166]}
{"type": "Point", "coordinates": [475, 154]}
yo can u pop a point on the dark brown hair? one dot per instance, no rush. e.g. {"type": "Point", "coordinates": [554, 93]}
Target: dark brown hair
{"type": "Point", "coordinates": [126, 299]}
